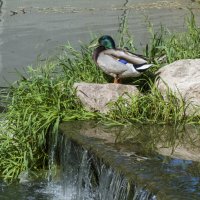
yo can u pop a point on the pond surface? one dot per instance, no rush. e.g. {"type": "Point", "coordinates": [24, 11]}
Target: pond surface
{"type": "Point", "coordinates": [83, 176]}
{"type": "Point", "coordinates": [32, 30]}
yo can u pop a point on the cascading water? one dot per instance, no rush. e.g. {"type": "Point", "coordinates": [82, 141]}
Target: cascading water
{"type": "Point", "coordinates": [83, 176]}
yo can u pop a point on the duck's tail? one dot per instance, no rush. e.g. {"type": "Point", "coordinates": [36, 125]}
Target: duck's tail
{"type": "Point", "coordinates": [143, 67]}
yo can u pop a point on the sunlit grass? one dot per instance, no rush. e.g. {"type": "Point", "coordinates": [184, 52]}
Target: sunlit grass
{"type": "Point", "coordinates": [151, 108]}
{"type": "Point", "coordinates": [38, 105]}
{"type": "Point", "coordinates": [166, 47]}
{"type": "Point", "coordinates": [78, 66]}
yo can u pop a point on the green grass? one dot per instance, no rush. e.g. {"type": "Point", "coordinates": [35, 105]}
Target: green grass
{"type": "Point", "coordinates": [40, 102]}
{"type": "Point", "coordinates": [166, 47]}
{"type": "Point", "coordinates": [38, 105]}
{"type": "Point", "coordinates": [151, 108]}
{"type": "Point", "coordinates": [78, 65]}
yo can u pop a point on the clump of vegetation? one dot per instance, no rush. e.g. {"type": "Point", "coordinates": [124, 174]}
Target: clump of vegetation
{"type": "Point", "coordinates": [151, 108]}
{"type": "Point", "coordinates": [38, 105]}
{"type": "Point", "coordinates": [166, 47]}
{"type": "Point", "coordinates": [78, 66]}
{"type": "Point", "coordinates": [46, 98]}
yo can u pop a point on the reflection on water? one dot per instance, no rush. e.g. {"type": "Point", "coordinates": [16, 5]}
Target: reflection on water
{"type": "Point", "coordinates": [163, 137]}
{"type": "Point", "coordinates": [146, 139]}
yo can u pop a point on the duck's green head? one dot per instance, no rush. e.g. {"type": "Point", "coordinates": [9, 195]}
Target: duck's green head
{"type": "Point", "coordinates": [107, 41]}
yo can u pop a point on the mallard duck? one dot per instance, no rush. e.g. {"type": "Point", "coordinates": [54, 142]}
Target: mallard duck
{"type": "Point", "coordinates": [118, 63]}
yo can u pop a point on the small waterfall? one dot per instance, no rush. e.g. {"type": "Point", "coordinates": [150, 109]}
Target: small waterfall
{"type": "Point", "coordinates": [83, 176]}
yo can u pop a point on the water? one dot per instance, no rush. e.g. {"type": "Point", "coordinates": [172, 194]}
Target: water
{"type": "Point", "coordinates": [89, 178]}
{"type": "Point", "coordinates": [93, 169]}
{"type": "Point", "coordinates": [28, 38]}
{"type": "Point", "coordinates": [82, 177]}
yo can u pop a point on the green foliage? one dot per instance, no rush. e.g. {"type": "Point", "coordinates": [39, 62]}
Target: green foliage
{"type": "Point", "coordinates": [151, 107]}
{"type": "Point", "coordinates": [166, 47]}
{"type": "Point", "coordinates": [78, 65]}
{"type": "Point", "coordinates": [38, 105]}
{"type": "Point", "coordinates": [125, 38]}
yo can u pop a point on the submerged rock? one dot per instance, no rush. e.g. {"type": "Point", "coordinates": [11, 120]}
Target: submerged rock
{"type": "Point", "coordinates": [183, 78]}
{"type": "Point", "coordinates": [95, 97]}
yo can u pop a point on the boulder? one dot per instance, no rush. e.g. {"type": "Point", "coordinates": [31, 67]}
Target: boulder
{"type": "Point", "coordinates": [95, 97]}
{"type": "Point", "coordinates": [183, 78]}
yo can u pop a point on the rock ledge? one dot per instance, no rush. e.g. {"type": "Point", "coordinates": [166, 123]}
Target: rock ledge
{"type": "Point", "coordinates": [95, 97]}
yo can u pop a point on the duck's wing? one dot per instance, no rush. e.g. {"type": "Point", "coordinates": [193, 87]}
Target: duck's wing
{"type": "Point", "coordinates": [110, 64]}
{"type": "Point", "coordinates": [129, 57]}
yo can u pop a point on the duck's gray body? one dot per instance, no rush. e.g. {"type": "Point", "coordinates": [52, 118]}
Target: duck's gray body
{"type": "Point", "coordinates": [120, 63]}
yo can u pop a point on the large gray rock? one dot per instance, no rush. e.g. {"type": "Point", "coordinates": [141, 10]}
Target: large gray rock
{"type": "Point", "coordinates": [183, 78]}
{"type": "Point", "coordinates": [95, 97]}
